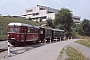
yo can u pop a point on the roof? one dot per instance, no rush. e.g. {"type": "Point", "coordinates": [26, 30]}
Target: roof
{"type": "Point", "coordinates": [36, 26]}
{"type": "Point", "coordinates": [19, 24]}
{"type": "Point", "coordinates": [45, 28]}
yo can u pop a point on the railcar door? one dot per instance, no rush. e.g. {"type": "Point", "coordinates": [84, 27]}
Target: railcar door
{"type": "Point", "coordinates": [24, 33]}
{"type": "Point", "coordinates": [42, 34]}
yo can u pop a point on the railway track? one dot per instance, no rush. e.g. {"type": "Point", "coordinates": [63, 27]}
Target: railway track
{"type": "Point", "coordinates": [2, 50]}
{"type": "Point", "coordinates": [22, 49]}
{"type": "Point", "coordinates": [19, 50]}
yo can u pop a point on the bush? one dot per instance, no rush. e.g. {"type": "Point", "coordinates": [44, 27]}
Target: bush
{"type": "Point", "coordinates": [3, 37]}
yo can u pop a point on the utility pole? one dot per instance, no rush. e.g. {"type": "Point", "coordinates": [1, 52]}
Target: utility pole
{"type": "Point", "coordinates": [37, 2]}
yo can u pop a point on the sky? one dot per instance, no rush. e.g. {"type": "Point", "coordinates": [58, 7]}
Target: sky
{"type": "Point", "coordinates": [15, 7]}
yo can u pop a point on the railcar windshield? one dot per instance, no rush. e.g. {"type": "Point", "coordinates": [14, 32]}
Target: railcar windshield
{"type": "Point", "coordinates": [14, 29]}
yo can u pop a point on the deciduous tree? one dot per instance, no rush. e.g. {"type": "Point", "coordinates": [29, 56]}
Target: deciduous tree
{"type": "Point", "coordinates": [64, 20]}
{"type": "Point", "coordinates": [49, 22]}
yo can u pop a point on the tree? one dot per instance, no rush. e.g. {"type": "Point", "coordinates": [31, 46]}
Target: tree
{"type": "Point", "coordinates": [9, 15]}
{"type": "Point", "coordinates": [85, 27]}
{"type": "Point", "coordinates": [78, 28]}
{"type": "Point", "coordinates": [36, 21]}
{"type": "Point", "coordinates": [29, 19]}
{"type": "Point", "coordinates": [40, 20]}
{"type": "Point", "coordinates": [64, 20]}
{"type": "Point", "coordinates": [49, 22]}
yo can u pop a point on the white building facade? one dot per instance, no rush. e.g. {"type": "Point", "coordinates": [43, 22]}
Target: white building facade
{"type": "Point", "coordinates": [43, 12]}
{"type": "Point", "coordinates": [39, 12]}
{"type": "Point", "coordinates": [76, 19]}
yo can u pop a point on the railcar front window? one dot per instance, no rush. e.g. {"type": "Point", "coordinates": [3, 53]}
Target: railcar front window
{"type": "Point", "coordinates": [14, 29]}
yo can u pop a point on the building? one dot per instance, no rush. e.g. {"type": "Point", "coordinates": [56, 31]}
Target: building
{"type": "Point", "coordinates": [39, 12]}
{"type": "Point", "coordinates": [76, 19]}
{"type": "Point", "coordinates": [42, 12]}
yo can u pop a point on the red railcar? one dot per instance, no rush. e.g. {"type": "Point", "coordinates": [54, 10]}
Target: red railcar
{"type": "Point", "coordinates": [19, 33]}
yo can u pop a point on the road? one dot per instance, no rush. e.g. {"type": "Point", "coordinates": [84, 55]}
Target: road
{"type": "Point", "coordinates": [3, 44]}
{"type": "Point", "coordinates": [84, 50]}
{"type": "Point", "coordinates": [45, 52]}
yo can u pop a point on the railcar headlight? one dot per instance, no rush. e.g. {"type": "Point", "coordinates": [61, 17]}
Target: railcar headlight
{"type": "Point", "coordinates": [8, 35]}
{"type": "Point", "coordinates": [17, 35]}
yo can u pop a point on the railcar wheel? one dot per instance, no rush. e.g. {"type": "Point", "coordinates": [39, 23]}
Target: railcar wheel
{"type": "Point", "coordinates": [37, 41]}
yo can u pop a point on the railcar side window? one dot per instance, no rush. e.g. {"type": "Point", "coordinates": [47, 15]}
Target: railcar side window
{"type": "Point", "coordinates": [23, 30]}
{"type": "Point", "coordinates": [28, 30]}
{"type": "Point", "coordinates": [54, 31]}
{"type": "Point", "coordinates": [41, 32]}
{"type": "Point", "coordinates": [31, 31]}
{"type": "Point", "coordinates": [36, 30]}
{"type": "Point", "coordinates": [48, 31]}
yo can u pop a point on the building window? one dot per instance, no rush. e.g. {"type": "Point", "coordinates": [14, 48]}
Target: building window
{"type": "Point", "coordinates": [29, 11]}
{"type": "Point", "coordinates": [76, 18]}
{"type": "Point", "coordinates": [37, 13]}
{"type": "Point", "coordinates": [49, 12]}
{"type": "Point", "coordinates": [44, 17]}
{"type": "Point", "coordinates": [42, 8]}
{"type": "Point", "coordinates": [34, 14]}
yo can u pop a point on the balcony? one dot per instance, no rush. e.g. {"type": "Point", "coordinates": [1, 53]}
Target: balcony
{"type": "Point", "coordinates": [23, 13]}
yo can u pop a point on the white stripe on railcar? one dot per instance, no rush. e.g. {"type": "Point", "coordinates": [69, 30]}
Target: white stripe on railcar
{"type": "Point", "coordinates": [19, 24]}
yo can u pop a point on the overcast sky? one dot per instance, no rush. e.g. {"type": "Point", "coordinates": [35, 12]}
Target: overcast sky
{"type": "Point", "coordinates": [14, 7]}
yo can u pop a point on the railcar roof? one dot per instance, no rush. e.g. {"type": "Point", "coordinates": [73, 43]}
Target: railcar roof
{"type": "Point", "coordinates": [19, 24]}
{"type": "Point", "coordinates": [36, 26]}
{"type": "Point", "coordinates": [58, 30]}
{"type": "Point", "coordinates": [46, 28]}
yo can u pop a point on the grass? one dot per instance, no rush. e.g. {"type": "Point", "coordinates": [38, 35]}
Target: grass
{"type": "Point", "coordinates": [3, 37]}
{"type": "Point", "coordinates": [81, 37]}
{"type": "Point", "coordinates": [73, 54]}
{"type": "Point", "coordinates": [85, 42]}
{"type": "Point", "coordinates": [62, 51]}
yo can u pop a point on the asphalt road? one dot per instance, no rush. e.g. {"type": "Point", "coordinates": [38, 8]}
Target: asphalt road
{"type": "Point", "coordinates": [3, 44]}
{"type": "Point", "coordinates": [45, 52]}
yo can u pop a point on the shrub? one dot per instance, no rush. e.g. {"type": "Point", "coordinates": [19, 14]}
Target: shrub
{"type": "Point", "coordinates": [3, 37]}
